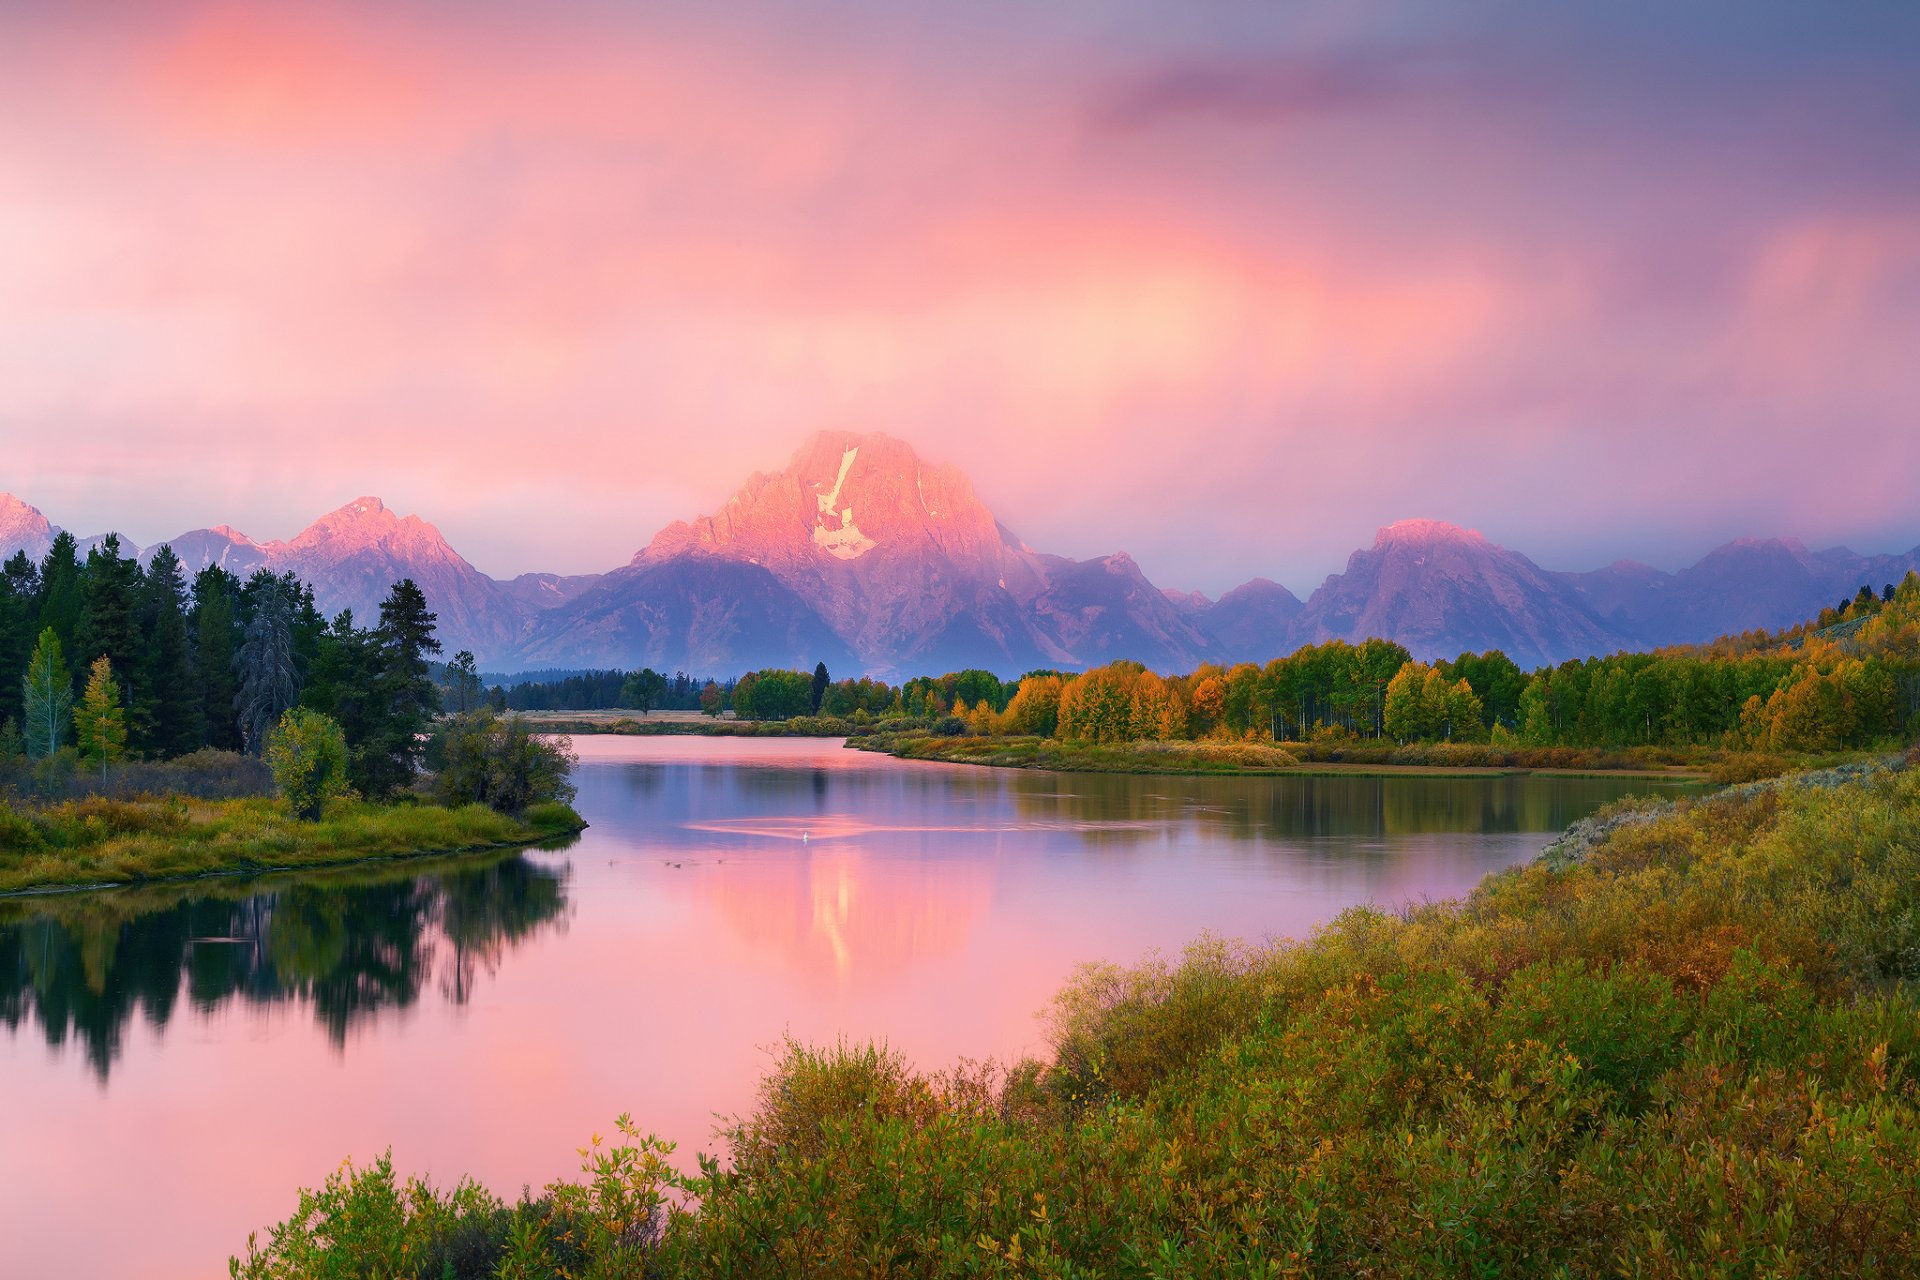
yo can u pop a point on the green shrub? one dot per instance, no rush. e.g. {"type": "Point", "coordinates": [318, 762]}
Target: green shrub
{"type": "Point", "coordinates": [480, 757]}
{"type": "Point", "coordinates": [307, 752]}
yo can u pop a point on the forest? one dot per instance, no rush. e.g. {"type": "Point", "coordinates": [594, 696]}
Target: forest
{"type": "Point", "coordinates": [1846, 680]}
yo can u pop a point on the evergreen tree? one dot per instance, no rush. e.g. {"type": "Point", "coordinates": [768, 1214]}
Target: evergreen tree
{"type": "Point", "coordinates": [269, 673]}
{"type": "Point", "coordinates": [100, 721]}
{"type": "Point", "coordinates": [109, 627]}
{"type": "Point", "coordinates": [60, 589]}
{"type": "Point", "coordinates": [48, 696]}
{"type": "Point", "coordinates": [216, 637]}
{"type": "Point", "coordinates": [820, 682]}
{"type": "Point", "coordinates": [19, 622]}
{"type": "Point", "coordinates": [405, 697]}
{"type": "Point", "coordinates": [174, 717]}
{"type": "Point", "coordinates": [463, 683]}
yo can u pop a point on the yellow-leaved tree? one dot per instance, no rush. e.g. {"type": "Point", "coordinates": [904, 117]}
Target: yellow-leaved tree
{"type": "Point", "coordinates": [100, 722]}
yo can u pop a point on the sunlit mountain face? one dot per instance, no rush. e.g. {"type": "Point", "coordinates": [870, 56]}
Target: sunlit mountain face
{"type": "Point", "coordinates": [1225, 290]}
{"type": "Point", "coordinates": [862, 554]}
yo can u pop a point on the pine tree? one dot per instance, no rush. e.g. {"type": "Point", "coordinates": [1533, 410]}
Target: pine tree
{"type": "Point", "coordinates": [48, 696]}
{"type": "Point", "coordinates": [100, 721]}
{"type": "Point", "coordinates": [19, 618]}
{"type": "Point", "coordinates": [60, 589]}
{"type": "Point", "coordinates": [175, 721]}
{"type": "Point", "coordinates": [109, 624]}
{"type": "Point", "coordinates": [820, 682]}
{"type": "Point", "coordinates": [216, 642]}
{"type": "Point", "coordinates": [404, 696]}
{"type": "Point", "coordinates": [269, 673]}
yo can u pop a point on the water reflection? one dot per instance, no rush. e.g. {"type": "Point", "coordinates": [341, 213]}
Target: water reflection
{"type": "Point", "coordinates": [349, 943]}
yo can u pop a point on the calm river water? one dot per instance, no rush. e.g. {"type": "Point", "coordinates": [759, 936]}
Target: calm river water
{"type": "Point", "coordinates": [176, 1061]}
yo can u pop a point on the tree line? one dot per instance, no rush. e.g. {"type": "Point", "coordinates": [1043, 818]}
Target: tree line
{"type": "Point", "coordinates": [102, 658]}
{"type": "Point", "coordinates": [1849, 678]}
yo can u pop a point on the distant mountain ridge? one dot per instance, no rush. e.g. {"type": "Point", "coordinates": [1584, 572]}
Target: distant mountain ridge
{"type": "Point", "coordinates": [860, 554]}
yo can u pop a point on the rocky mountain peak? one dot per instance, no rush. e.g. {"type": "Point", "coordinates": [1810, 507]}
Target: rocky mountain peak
{"type": "Point", "coordinates": [1418, 533]}
{"type": "Point", "coordinates": [369, 525]}
{"type": "Point", "coordinates": [23, 528]}
{"type": "Point", "coordinates": [843, 498]}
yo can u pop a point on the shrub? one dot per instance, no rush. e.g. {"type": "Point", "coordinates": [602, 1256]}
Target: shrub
{"type": "Point", "coordinates": [308, 755]}
{"type": "Point", "coordinates": [484, 758]}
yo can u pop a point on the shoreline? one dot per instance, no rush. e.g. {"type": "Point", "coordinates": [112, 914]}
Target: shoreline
{"type": "Point", "coordinates": [1051, 756]}
{"type": "Point", "coordinates": [321, 858]}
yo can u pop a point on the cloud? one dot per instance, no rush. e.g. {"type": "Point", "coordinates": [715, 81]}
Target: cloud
{"type": "Point", "coordinates": [1276, 88]}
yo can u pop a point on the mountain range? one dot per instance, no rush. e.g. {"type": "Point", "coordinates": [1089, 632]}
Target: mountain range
{"type": "Point", "coordinates": [861, 554]}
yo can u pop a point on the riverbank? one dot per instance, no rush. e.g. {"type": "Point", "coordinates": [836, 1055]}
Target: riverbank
{"type": "Point", "coordinates": [1695, 1046]}
{"type": "Point", "coordinates": [98, 843]}
{"type": "Point", "coordinates": [1256, 759]}
{"type": "Point", "coordinates": [636, 724]}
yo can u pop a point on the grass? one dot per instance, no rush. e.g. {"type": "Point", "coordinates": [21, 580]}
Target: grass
{"type": "Point", "coordinates": [1693, 1051]}
{"type": "Point", "coordinates": [1086, 757]}
{"type": "Point", "coordinates": [100, 841]}
{"type": "Point", "coordinates": [1213, 756]}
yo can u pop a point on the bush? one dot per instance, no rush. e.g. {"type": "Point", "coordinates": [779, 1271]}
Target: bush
{"type": "Point", "coordinates": [483, 758]}
{"type": "Point", "coordinates": [307, 752]}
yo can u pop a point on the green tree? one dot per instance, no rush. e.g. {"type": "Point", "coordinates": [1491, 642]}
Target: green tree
{"type": "Point", "coordinates": [19, 623]}
{"type": "Point", "coordinates": [404, 696]}
{"type": "Point", "coordinates": [463, 682]}
{"type": "Point", "coordinates": [48, 696]}
{"type": "Point", "coordinates": [308, 755]}
{"type": "Point", "coordinates": [109, 623]}
{"type": "Point", "coordinates": [642, 690]}
{"type": "Point", "coordinates": [175, 720]}
{"type": "Point", "coordinates": [215, 631]}
{"type": "Point", "coordinates": [483, 758]}
{"type": "Point", "coordinates": [100, 719]}
{"type": "Point", "coordinates": [819, 689]}
{"type": "Point", "coordinates": [60, 589]}
{"type": "Point", "coordinates": [269, 671]}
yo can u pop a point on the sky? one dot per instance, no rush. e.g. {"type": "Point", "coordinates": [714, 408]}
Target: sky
{"type": "Point", "coordinates": [1225, 285]}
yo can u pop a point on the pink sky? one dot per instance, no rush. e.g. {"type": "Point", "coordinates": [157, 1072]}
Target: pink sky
{"type": "Point", "coordinates": [1225, 293]}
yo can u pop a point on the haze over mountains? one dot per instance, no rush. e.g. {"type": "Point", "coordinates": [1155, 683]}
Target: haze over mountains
{"type": "Point", "coordinates": [860, 554]}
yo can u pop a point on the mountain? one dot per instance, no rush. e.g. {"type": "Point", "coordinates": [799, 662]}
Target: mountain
{"type": "Point", "coordinates": [1242, 623]}
{"type": "Point", "coordinates": [1439, 589]}
{"type": "Point", "coordinates": [221, 545]}
{"type": "Point", "coordinates": [23, 528]}
{"type": "Point", "coordinates": [910, 570]}
{"type": "Point", "coordinates": [708, 616]}
{"type": "Point", "coordinates": [1750, 583]}
{"type": "Point", "coordinates": [861, 554]}
{"type": "Point", "coordinates": [354, 555]}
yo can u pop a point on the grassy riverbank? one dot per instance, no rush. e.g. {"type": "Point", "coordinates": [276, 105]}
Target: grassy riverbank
{"type": "Point", "coordinates": [123, 841]}
{"type": "Point", "coordinates": [635, 724]}
{"type": "Point", "coordinates": [1254, 758]}
{"type": "Point", "coordinates": [1693, 1049]}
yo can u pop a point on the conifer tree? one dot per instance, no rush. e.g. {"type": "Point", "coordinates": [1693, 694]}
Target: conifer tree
{"type": "Point", "coordinates": [174, 720]}
{"type": "Point", "coordinates": [109, 623]}
{"type": "Point", "coordinates": [215, 632]}
{"type": "Point", "coordinates": [60, 589]}
{"type": "Point", "coordinates": [405, 697]}
{"type": "Point", "coordinates": [48, 695]}
{"type": "Point", "coordinates": [269, 673]}
{"type": "Point", "coordinates": [19, 619]}
{"type": "Point", "coordinates": [100, 721]}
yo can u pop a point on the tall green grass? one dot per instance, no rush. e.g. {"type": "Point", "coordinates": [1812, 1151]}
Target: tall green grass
{"type": "Point", "coordinates": [1695, 1052]}
{"type": "Point", "coordinates": [100, 840]}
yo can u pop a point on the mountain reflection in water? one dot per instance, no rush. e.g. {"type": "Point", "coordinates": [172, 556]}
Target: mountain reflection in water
{"type": "Point", "coordinates": [350, 943]}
